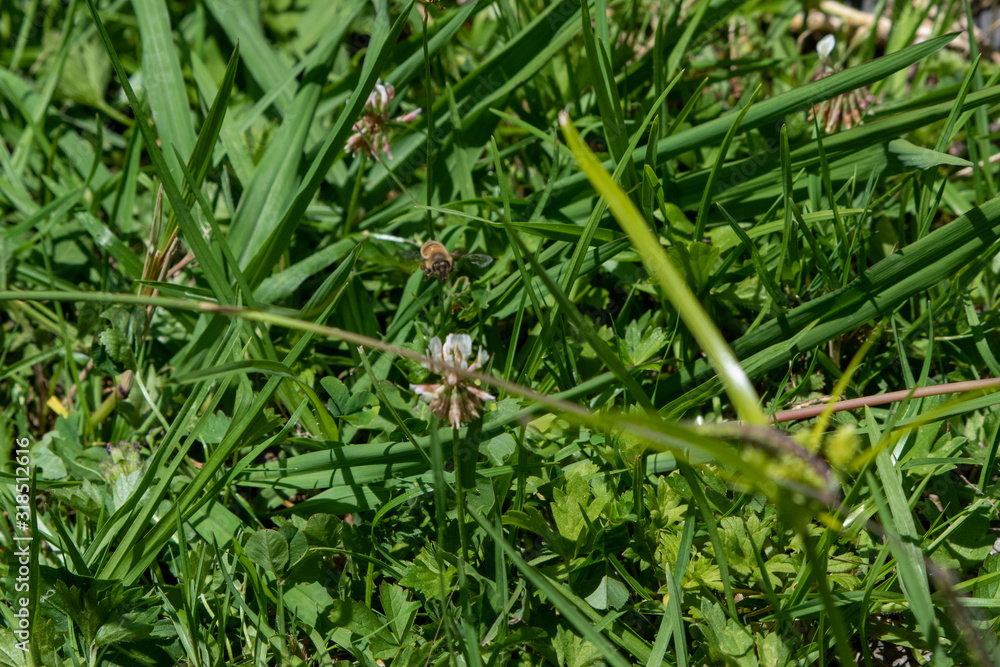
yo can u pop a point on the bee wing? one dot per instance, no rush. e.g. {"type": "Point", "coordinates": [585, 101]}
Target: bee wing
{"type": "Point", "coordinates": [477, 259]}
{"type": "Point", "coordinates": [390, 237]}
{"type": "Point", "coordinates": [408, 259]}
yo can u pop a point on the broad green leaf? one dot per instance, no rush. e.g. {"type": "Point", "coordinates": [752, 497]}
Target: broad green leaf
{"type": "Point", "coordinates": [268, 549]}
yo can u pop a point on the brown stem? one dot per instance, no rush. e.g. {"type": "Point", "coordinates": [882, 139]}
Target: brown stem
{"type": "Point", "coordinates": [891, 397]}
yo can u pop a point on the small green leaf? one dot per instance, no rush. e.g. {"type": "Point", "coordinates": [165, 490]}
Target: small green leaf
{"type": "Point", "coordinates": [339, 395]}
{"type": "Point", "coordinates": [362, 621]}
{"type": "Point", "coordinates": [111, 353]}
{"type": "Point", "coordinates": [268, 549]}
{"type": "Point", "coordinates": [574, 651]}
{"type": "Point", "coordinates": [640, 344]}
{"type": "Point", "coordinates": [123, 487]}
{"type": "Point", "coordinates": [124, 629]}
{"type": "Point", "coordinates": [322, 530]}
{"type": "Point", "coordinates": [695, 260]}
{"type": "Point", "coordinates": [613, 540]}
{"type": "Point", "coordinates": [482, 496]}
{"type": "Point", "coordinates": [725, 635]}
{"type": "Point", "coordinates": [610, 593]}
{"type": "Point", "coordinates": [88, 318]}
{"type": "Point", "coordinates": [531, 520]}
{"type": "Point", "coordinates": [399, 608]}
{"type": "Point", "coordinates": [567, 503]}
{"type": "Point", "coordinates": [915, 157]}
{"type": "Point", "coordinates": [342, 402]}
{"type": "Point", "coordinates": [499, 448]}
{"type": "Point", "coordinates": [425, 577]}
{"type": "Point", "coordinates": [215, 428]}
{"type": "Point", "coordinates": [298, 544]}
{"type": "Point", "coordinates": [991, 588]}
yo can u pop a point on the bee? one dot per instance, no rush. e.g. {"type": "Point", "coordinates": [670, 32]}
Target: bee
{"type": "Point", "coordinates": [435, 259]}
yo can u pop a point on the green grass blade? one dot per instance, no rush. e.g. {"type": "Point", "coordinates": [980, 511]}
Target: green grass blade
{"type": "Point", "coordinates": [671, 282]}
{"type": "Point", "coordinates": [164, 82]}
{"type": "Point", "coordinates": [706, 196]}
{"type": "Point", "coordinates": [774, 110]}
{"type": "Point", "coordinates": [190, 229]}
{"type": "Point", "coordinates": [913, 269]}
{"type": "Point", "coordinates": [379, 50]}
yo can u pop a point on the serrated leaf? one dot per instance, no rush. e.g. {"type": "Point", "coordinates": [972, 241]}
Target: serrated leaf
{"type": "Point", "coordinates": [399, 608]}
{"type": "Point", "coordinates": [11, 655]}
{"type": "Point", "coordinates": [425, 577]}
{"type": "Point", "coordinates": [112, 353]}
{"type": "Point", "coordinates": [123, 487]}
{"type": "Point", "coordinates": [356, 617]}
{"type": "Point", "coordinates": [695, 261]}
{"type": "Point", "coordinates": [574, 651]}
{"type": "Point", "coordinates": [568, 502]}
{"type": "Point", "coordinates": [82, 609]}
{"type": "Point", "coordinates": [773, 651]}
{"type": "Point", "coordinates": [215, 428]}
{"type": "Point", "coordinates": [640, 343]}
{"type": "Point", "coordinates": [725, 635]}
{"type": "Point", "coordinates": [123, 629]}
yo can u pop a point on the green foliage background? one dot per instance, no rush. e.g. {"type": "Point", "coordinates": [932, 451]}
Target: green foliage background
{"type": "Point", "coordinates": [208, 342]}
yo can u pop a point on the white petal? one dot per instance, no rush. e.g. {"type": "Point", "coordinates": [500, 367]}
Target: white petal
{"type": "Point", "coordinates": [458, 348]}
{"type": "Point", "coordinates": [434, 349]}
{"type": "Point", "coordinates": [479, 393]}
{"type": "Point", "coordinates": [825, 47]}
{"type": "Point", "coordinates": [430, 390]}
{"type": "Point", "coordinates": [407, 117]}
{"type": "Point", "coordinates": [455, 413]}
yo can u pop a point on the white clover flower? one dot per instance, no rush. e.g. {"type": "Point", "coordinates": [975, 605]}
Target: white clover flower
{"type": "Point", "coordinates": [456, 398]}
{"type": "Point", "coordinates": [371, 129]}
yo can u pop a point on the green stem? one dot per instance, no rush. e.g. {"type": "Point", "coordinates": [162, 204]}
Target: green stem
{"type": "Point", "coordinates": [428, 108]}
{"type": "Point", "coordinates": [441, 514]}
{"type": "Point", "coordinates": [470, 643]}
{"type": "Point", "coordinates": [352, 207]}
